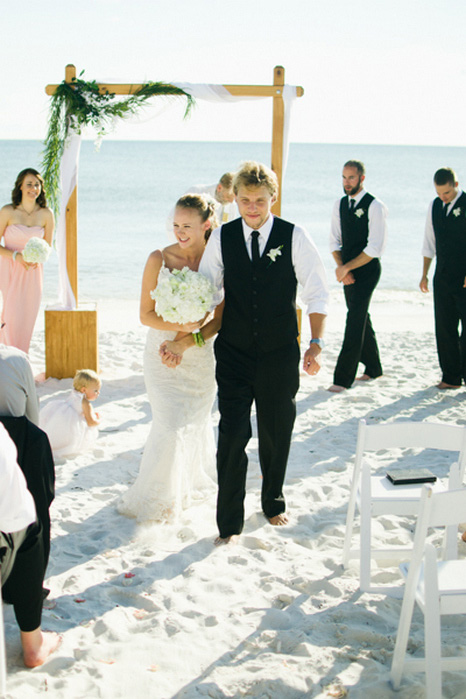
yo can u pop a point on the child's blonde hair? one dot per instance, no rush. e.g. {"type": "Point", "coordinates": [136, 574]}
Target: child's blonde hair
{"type": "Point", "coordinates": [84, 377]}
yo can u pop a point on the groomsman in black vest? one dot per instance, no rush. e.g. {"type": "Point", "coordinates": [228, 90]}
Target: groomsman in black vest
{"type": "Point", "coordinates": [357, 240]}
{"type": "Point", "coordinates": [258, 260]}
{"type": "Point", "coordinates": [445, 236]}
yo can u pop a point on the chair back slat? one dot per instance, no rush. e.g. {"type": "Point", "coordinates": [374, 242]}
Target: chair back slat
{"type": "Point", "coordinates": [427, 435]}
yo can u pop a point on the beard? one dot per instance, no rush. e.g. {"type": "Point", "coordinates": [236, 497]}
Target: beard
{"type": "Point", "coordinates": [354, 190]}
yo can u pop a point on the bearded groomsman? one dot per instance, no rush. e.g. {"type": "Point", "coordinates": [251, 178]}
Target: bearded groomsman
{"type": "Point", "coordinates": [258, 260]}
{"type": "Point", "coordinates": [357, 240]}
{"type": "Point", "coordinates": [445, 236]}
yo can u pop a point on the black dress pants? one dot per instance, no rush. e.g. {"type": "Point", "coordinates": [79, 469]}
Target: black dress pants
{"type": "Point", "coordinates": [359, 342]}
{"type": "Point", "coordinates": [23, 554]}
{"type": "Point", "coordinates": [271, 379]}
{"type": "Point", "coordinates": [450, 309]}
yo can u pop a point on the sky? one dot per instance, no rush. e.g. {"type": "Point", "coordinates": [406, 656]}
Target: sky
{"type": "Point", "coordinates": [373, 71]}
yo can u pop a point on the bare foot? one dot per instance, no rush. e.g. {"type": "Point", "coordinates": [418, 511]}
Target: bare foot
{"type": "Point", "coordinates": [364, 377]}
{"type": "Point", "coordinates": [233, 539]}
{"type": "Point", "coordinates": [463, 536]}
{"type": "Point", "coordinates": [279, 520]}
{"type": "Point", "coordinates": [336, 389]}
{"type": "Point", "coordinates": [442, 385]}
{"type": "Point", "coordinates": [38, 645]}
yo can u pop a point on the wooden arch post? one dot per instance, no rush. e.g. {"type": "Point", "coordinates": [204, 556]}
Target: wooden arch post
{"type": "Point", "coordinates": [71, 336]}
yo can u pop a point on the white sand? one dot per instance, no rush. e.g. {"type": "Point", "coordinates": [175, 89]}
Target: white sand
{"type": "Point", "coordinates": [274, 616]}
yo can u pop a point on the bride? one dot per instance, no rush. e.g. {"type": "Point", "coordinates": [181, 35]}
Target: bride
{"type": "Point", "coordinates": [178, 463]}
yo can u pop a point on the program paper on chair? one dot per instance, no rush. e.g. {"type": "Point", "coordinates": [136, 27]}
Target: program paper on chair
{"type": "Point", "coordinates": [374, 495]}
{"type": "Point", "coordinates": [437, 587]}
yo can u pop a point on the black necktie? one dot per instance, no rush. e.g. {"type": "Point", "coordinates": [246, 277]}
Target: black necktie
{"type": "Point", "coordinates": [351, 204]}
{"type": "Point", "coordinates": [445, 209]}
{"type": "Point", "coordinates": [255, 247]}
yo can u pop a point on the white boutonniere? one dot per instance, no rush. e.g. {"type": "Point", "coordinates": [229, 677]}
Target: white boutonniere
{"type": "Point", "coordinates": [457, 211]}
{"type": "Point", "coordinates": [274, 253]}
{"type": "Point", "coordinates": [359, 213]}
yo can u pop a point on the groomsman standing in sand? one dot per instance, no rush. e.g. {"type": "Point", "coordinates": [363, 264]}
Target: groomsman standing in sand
{"type": "Point", "coordinates": [357, 241]}
{"type": "Point", "coordinates": [445, 236]}
{"type": "Point", "coordinates": [258, 260]}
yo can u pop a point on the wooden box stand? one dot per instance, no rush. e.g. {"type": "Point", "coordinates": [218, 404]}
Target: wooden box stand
{"type": "Point", "coordinates": [71, 341]}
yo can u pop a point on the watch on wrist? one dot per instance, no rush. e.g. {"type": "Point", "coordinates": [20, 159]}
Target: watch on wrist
{"type": "Point", "coordinates": [317, 341]}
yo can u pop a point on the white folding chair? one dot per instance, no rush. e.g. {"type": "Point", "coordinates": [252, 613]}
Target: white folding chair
{"type": "Point", "coordinates": [438, 588]}
{"type": "Point", "coordinates": [375, 495]}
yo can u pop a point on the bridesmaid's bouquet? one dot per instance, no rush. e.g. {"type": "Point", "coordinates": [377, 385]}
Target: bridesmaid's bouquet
{"type": "Point", "coordinates": [36, 250]}
{"type": "Point", "coordinates": [183, 296]}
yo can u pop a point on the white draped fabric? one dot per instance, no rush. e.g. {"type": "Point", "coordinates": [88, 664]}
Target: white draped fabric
{"type": "Point", "coordinates": [70, 160]}
{"type": "Point", "coordinates": [69, 178]}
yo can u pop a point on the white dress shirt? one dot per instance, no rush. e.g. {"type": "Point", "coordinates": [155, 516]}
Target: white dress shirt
{"type": "Point", "coordinates": [429, 247]}
{"type": "Point", "coordinates": [305, 258]}
{"type": "Point", "coordinates": [17, 509]}
{"type": "Point", "coordinates": [18, 395]}
{"type": "Point", "coordinates": [377, 214]}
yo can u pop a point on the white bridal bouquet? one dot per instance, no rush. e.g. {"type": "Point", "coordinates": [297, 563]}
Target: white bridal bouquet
{"type": "Point", "coordinates": [182, 296]}
{"type": "Point", "coordinates": [36, 250]}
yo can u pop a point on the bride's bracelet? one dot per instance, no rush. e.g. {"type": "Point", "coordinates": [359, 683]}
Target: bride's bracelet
{"type": "Point", "coordinates": [198, 339]}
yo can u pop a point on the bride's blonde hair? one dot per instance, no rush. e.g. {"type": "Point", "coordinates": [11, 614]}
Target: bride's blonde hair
{"type": "Point", "coordinates": [205, 206]}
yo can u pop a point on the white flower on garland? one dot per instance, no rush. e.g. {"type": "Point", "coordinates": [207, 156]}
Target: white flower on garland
{"type": "Point", "coordinates": [274, 253]}
{"type": "Point", "coordinates": [182, 295]}
{"type": "Point", "coordinates": [359, 213]}
{"type": "Point", "coordinates": [36, 250]}
{"type": "Point", "coordinates": [457, 211]}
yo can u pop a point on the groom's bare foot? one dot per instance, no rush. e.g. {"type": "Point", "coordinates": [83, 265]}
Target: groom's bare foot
{"type": "Point", "coordinates": [364, 377]}
{"type": "Point", "coordinates": [233, 539]}
{"type": "Point", "coordinates": [38, 645]}
{"type": "Point", "coordinates": [336, 389]}
{"type": "Point", "coordinates": [442, 385]}
{"type": "Point", "coordinates": [279, 520]}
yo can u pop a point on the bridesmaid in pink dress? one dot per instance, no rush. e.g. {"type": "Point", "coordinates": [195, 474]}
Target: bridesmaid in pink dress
{"type": "Point", "coordinates": [21, 283]}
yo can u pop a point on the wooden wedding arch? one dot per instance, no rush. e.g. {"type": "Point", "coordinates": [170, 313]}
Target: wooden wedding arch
{"type": "Point", "coordinates": [71, 338]}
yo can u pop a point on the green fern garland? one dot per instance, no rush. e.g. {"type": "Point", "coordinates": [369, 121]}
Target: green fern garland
{"type": "Point", "coordinates": [80, 103]}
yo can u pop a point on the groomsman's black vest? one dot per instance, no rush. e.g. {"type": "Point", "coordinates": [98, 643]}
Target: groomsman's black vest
{"type": "Point", "coordinates": [450, 239]}
{"type": "Point", "coordinates": [354, 227]}
{"type": "Point", "coordinates": [260, 302]}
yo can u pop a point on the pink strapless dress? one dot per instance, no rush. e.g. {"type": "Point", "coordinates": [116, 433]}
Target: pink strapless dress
{"type": "Point", "coordinates": [21, 289]}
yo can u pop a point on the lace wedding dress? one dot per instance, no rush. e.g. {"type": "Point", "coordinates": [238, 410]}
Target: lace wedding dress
{"type": "Point", "coordinates": [178, 464]}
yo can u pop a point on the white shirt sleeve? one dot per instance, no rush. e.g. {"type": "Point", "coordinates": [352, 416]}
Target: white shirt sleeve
{"type": "Point", "coordinates": [377, 229]}
{"type": "Point", "coordinates": [335, 228]}
{"type": "Point", "coordinates": [429, 248]}
{"type": "Point", "coordinates": [211, 265]}
{"type": "Point", "coordinates": [310, 272]}
{"type": "Point", "coordinates": [17, 509]}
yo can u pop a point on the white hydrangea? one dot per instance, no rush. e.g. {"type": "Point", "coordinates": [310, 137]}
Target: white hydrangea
{"type": "Point", "coordinates": [182, 296]}
{"type": "Point", "coordinates": [36, 250]}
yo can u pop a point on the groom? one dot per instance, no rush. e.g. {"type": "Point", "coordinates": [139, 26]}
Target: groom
{"type": "Point", "coordinates": [258, 260]}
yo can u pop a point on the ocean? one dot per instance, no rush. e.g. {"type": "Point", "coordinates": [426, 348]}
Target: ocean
{"type": "Point", "coordinates": [127, 188]}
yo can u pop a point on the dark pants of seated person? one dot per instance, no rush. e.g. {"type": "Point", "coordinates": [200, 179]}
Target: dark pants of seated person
{"type": "Point", "coordinates": [22, 565]}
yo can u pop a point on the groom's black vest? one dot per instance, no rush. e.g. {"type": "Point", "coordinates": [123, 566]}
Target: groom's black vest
{"type": "Point", "coordinates": [450, 240]}
{"type": "Point", "coordinates": [260, 301]}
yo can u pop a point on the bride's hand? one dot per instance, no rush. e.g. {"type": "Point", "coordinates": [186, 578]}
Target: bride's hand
{"type": "Point", "coordinates": [168, 355]}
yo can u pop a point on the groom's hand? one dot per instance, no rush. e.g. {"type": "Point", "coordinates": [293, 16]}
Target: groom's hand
{"type": "Point", "coordinates": [311, 361]}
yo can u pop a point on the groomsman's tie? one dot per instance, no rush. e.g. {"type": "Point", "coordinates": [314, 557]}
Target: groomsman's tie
{"type": "Point", "coordinates": [351, 204]}
{"type": "Point", "coordinates": [445, 209]}
{"type": "Point", "coordinates": [255, 247]}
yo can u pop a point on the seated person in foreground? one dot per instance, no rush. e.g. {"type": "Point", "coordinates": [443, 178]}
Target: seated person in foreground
{"type": "Point", "coordinates": [17, 389]}
{"type": "Point", "coordinates": [22, 557]}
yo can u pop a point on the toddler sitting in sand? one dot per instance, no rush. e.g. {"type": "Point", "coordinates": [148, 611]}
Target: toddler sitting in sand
{"type": "Point", "coordinates": [71, 423]}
